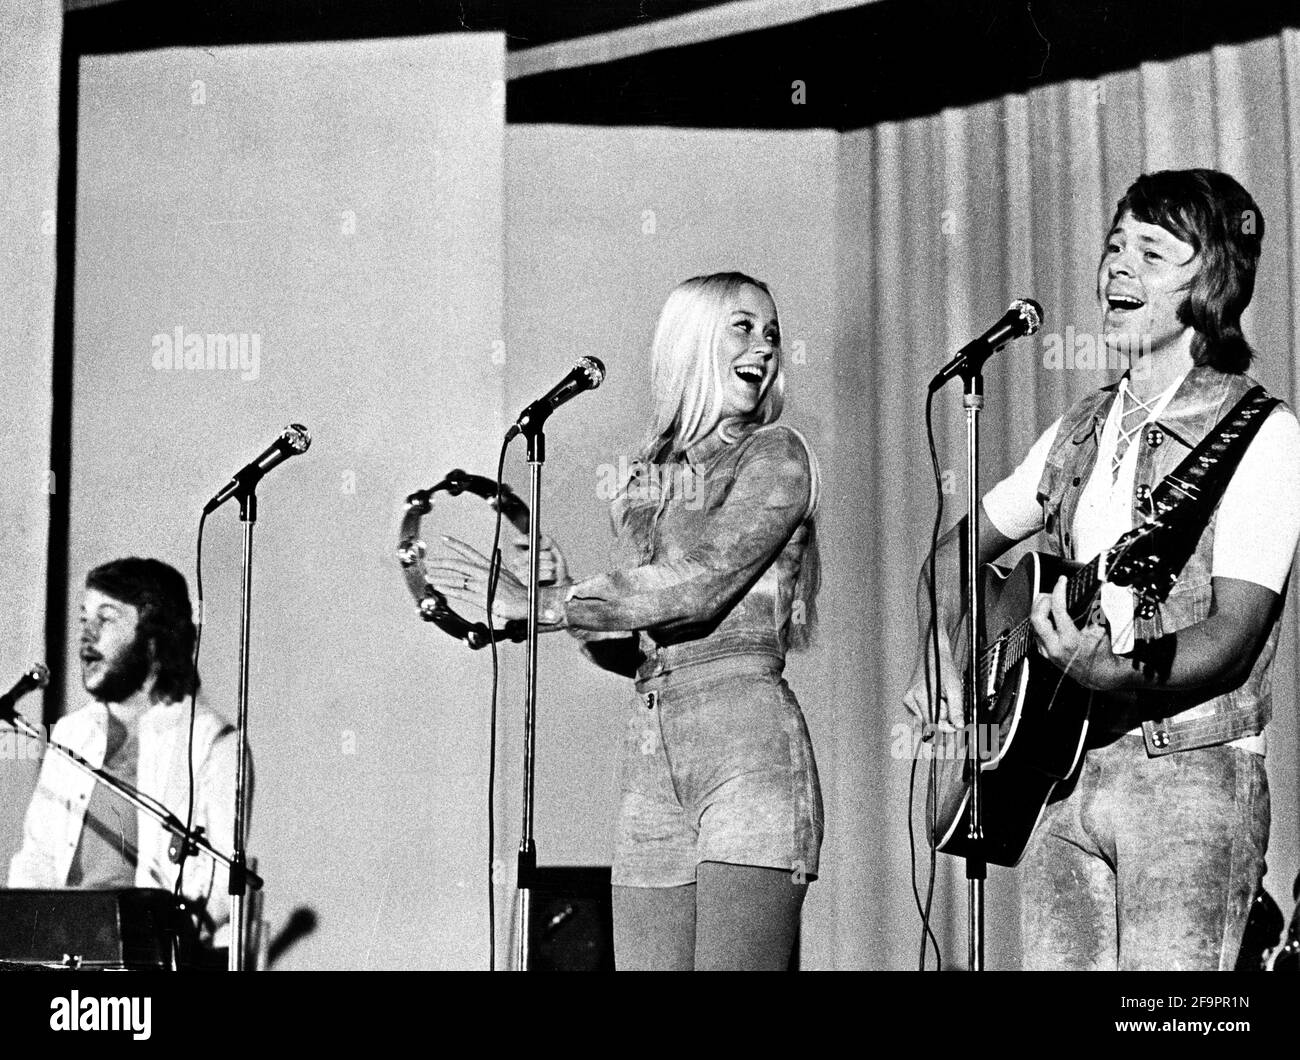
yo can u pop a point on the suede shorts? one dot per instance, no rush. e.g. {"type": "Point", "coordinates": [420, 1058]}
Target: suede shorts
{"type": "Point", "coordinates": [716, 766]}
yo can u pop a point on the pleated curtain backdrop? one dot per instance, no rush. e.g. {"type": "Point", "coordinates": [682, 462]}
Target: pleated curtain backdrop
{"type": "Point", "coordinates": [942, 220]}
{"type": "Point", "coordinates": [938, 222]}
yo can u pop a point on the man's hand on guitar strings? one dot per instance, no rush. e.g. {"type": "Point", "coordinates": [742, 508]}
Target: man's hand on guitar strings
{"type": "Point", "coordinates": [916, 700]}
{"type": "Point", "coordinates": [1085, 655]}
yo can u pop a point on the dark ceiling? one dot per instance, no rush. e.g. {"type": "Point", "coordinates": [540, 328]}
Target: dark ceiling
{"type": "Point", "coordinates": [527, 23]}
{"type": "Point", "coordinates": [886, 60]}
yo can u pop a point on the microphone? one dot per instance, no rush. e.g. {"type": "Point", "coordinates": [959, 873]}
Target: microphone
{"type": "Point", "coordinates": [36, 677]}
{"type": "Point", "coordinates": [1024, 317]}
{"type": "Point", "coordinates": [301, 923]}
{"type": "Point", "coordinates": [293, 440]}
{"type": "Point", "coordinates": [587, 374]}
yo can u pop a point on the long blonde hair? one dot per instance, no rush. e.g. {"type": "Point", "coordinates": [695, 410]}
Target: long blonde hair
{"type": "Point", "coordinates": [686, 385]}
{"type": "Point", "coordinates": [685, 380]}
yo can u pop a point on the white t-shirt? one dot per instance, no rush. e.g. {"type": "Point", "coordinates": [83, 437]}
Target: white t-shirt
{"type": "Point", "coordinates": [1255, 535]}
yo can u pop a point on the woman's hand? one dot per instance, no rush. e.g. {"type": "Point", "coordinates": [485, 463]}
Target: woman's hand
{"type": "Point", "coordinates": [463, 576]}
{"type": "Point", "coordinates": [553, 569]}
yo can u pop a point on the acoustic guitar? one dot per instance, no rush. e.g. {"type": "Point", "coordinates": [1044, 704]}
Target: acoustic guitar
{"type": "Point", "coordinates": [1033, 720]}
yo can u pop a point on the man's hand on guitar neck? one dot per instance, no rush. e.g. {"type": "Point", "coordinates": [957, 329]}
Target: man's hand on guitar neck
{"type": "Point", "coordinates": [916, 699]}
{"type": "Point", "coordinates": [1085, 655]}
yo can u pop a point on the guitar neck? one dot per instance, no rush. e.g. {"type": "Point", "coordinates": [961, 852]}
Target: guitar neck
{"type": "Point", "coordinates": [1081, 591]}
{"type": "Point", "coordinates": [1013, 646]}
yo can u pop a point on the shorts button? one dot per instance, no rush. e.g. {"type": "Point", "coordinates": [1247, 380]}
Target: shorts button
{"type": "Point", "coordinates": [1160, 738]}
{"type": "Point", "coordinates": [1155, 437]}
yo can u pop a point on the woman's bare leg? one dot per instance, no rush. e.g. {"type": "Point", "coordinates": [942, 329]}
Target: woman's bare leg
{"type": "Point", "coordinates": [654, 928]}
{"type": "Point", "coordinates": [746, 918]}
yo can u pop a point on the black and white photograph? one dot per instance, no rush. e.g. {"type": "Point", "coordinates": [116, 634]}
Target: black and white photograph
{"type": "Point", "coordinates": [651, 485]}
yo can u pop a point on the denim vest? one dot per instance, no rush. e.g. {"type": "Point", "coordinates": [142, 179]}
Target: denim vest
{"type": "Point", "coordinates": [1171, 721]}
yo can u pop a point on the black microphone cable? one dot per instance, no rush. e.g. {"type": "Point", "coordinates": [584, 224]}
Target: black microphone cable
{"type": "Point", "coordinates": [494, 571]}
{"type": "Point", "coordinates": [178, 892]}
{"type": "Point", "coordinates": [932, 809]}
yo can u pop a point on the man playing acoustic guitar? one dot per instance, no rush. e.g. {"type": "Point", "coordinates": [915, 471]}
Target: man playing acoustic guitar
{"type": "Point", "coordinates": [1149, 854]}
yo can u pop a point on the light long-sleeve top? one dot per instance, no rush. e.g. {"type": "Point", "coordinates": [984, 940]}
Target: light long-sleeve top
{"type": "Point", "coordinates": [709, 550]}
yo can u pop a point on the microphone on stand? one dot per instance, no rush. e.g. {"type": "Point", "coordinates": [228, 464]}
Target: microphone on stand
{"type": "Point", "coordinates": [301, 923]}
{"type": "Point", "coordinates": [587, 374]}
{"type": "Point", "coordinates": [1024, 317]}
{"type": "Point", "coordinates": [36, 677]}
{"type": "Point", "coordinates": [293, 440]}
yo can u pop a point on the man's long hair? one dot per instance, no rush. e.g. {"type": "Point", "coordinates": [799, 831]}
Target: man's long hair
{"type": "Point", "coordinates": [162, 597]}
{"type": "Point", "coordinates": [1218, 217]}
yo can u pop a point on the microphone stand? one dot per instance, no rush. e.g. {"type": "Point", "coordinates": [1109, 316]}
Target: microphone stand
{"type": "Point", "coordinates": [527, 861]}
{"type": "Point", "coordinates": [976, 864]}
{"type": "Point", "coordinates": [189, 840]}
{"type": "Point", "coordinates": [1024, 317]}
{"type": "Point", "coordinates": [239, 872]}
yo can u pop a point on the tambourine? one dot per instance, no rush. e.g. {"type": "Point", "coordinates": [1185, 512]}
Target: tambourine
{"type": "Point", "coordinates": [430, 603]}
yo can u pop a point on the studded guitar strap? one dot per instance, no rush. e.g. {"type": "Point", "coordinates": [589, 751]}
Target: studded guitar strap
{"type": "Point", "coordinates": [1194, 488]}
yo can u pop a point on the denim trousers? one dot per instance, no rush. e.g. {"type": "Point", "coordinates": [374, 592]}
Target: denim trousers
{"type": "Point", "coordinates": [1146, 863]}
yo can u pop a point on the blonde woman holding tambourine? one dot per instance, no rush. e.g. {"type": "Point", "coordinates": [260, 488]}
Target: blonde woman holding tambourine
{"type": "Point", "coordinates": [720, 822]}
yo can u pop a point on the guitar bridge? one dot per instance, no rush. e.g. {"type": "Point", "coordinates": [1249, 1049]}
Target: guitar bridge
{"type": "Point", "coordinates": [994, 675]}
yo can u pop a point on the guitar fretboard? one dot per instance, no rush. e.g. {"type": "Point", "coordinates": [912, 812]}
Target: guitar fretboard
{"type": "Point", "coordinates": [1011, 647]}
